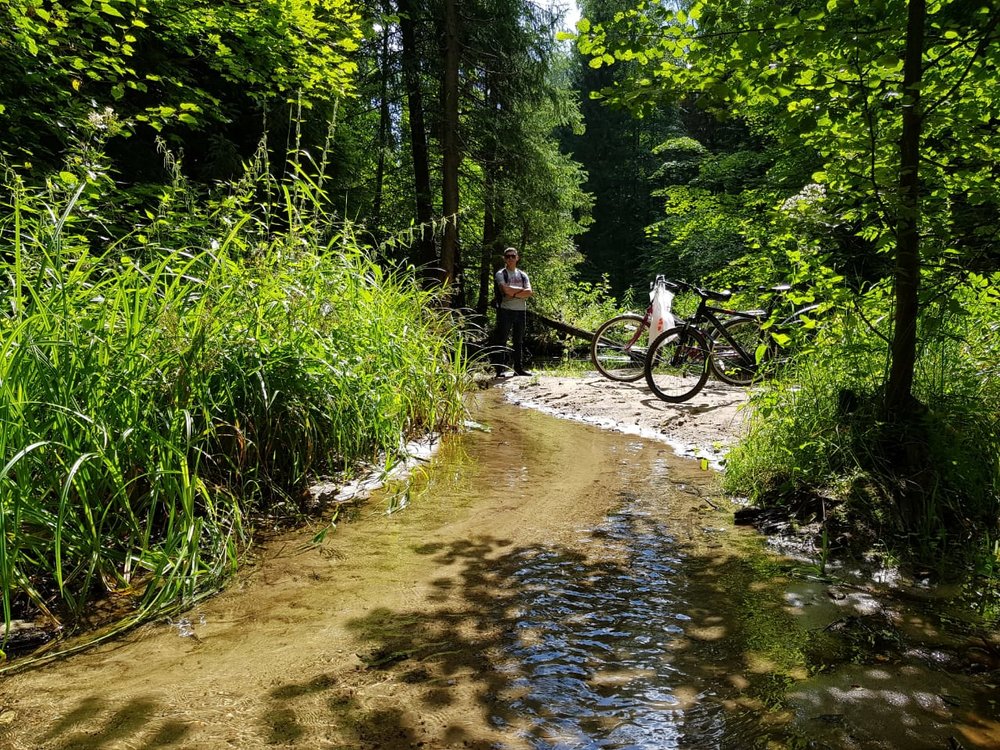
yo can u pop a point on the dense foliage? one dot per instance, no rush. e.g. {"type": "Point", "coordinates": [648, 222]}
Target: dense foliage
{"type": "Point", "coordinates": [201, 75]}
{"type": "Point", "coordinates": [162, 395]}
{"type": "Point", "coordinates": [860, 165]}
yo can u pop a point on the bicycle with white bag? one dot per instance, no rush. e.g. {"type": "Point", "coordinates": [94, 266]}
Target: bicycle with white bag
{"type": "Point", "coordinates": [618, 349]}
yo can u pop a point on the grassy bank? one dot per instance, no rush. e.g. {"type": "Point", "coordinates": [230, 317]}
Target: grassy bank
{"type": "Point", "coordinates": [925, 491]}
{"type": "Point", "coordinates": [161, 389]}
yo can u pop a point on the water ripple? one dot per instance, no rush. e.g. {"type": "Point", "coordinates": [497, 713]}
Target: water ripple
{"type": "Point", "coordinates": [594, 654]}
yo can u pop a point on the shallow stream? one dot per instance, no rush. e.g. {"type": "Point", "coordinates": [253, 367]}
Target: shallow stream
{"type": "Point", "coordinates": [542, 584]}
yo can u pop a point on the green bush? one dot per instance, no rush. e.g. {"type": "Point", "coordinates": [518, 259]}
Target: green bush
{"type": "Point", "coordinates": [818, 430]}
{"type": "Point", "coordinates": [156, 398]}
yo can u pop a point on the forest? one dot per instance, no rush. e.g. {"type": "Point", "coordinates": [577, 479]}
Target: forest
{"type": "Point", "coordinates": [245, 244]}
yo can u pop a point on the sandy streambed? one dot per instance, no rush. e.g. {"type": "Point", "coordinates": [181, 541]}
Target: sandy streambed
{"type": "Point", "coordinates": [389, 633]}
{"type": "Point", "coordinates": [545, 585]}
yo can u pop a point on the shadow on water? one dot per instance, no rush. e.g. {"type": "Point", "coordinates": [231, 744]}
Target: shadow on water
{"type": "Point", "coordinates": [568, 652]}
{"type": "Point", "coordinates": [548, 587]}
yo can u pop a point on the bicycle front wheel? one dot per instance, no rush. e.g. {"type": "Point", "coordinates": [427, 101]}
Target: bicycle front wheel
{"type": "Point", "coordinates": [617, 349]}
{"type": "Point", "coordinates": [734, 353]}
{"type": "Point", "coordinates": [677, 362]}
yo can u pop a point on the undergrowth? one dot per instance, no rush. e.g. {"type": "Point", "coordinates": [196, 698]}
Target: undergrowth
{"type": "Point", "coordinates": [163, 389]}
{"type": "Point", "coordinates": [926, 488]}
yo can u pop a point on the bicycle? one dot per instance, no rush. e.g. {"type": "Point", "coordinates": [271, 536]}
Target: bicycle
{"type": "Point", "coordinates": [617, 350]}
{"type": "Point", "coordinates": [736, 350]}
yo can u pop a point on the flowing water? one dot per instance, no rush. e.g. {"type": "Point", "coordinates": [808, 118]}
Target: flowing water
{"type": "Point", "coordinates": [542, 584]}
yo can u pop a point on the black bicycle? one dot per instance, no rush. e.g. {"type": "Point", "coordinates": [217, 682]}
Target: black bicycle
{"type": "Point", "coordinates": [738, 350]}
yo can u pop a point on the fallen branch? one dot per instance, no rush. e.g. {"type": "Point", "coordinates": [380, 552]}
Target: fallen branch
{"type": "Point", "coordinates": [561, 327]}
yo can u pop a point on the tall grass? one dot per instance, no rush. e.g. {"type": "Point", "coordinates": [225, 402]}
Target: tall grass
{"type": "Point", "coordinates": [818, 432]}
{"type": "Point", "coordinates": [155, 398]}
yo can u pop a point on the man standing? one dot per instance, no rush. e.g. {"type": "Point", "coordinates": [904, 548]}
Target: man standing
{"type": "Point", "coordinates": [515, 288]}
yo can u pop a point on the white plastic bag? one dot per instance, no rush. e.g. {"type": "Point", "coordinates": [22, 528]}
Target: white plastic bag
{"type": "Point", "coordinates": [660, 318]}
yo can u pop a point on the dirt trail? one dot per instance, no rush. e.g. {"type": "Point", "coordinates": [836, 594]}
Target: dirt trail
{"type": "Point", "coordinates": [705, 426]}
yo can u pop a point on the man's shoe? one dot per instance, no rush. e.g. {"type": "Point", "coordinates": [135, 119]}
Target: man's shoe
{"type": "Point", "coordinates": [524, 373]}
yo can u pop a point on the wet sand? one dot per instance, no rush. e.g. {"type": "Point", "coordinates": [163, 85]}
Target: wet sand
{"type": "Point", "coordinates": [704, 427]}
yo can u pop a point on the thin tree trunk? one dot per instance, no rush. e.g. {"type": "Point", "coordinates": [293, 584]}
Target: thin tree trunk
{"type": "Point", "coordinates": [899, 388]}
{"type": "Point", "coordinates": [450, 260]}
{"type": "Point", "coordinates": [490, 237]}
{"type": "Point", "coordinates": [491, 229]}
{"type": "Point", "coordinates": [423, 253]}
{"type": "Point", "coordinates": [383, 130]}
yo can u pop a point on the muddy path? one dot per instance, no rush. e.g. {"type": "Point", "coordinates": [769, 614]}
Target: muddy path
{"type": "Point", "coordinates": [547, 585]}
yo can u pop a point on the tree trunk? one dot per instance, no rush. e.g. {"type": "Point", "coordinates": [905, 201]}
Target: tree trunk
{"type": "Point", "coordinates": [898, 392]}
{"type": "Point", "coordinates": [450, 259]}
{"type": "Point", "coordinates": [383, 129]}
{"type": "Point", "coordinates": [490, 238]}
{"type": "Point", "coordinates": [423, 252]}
{"type": "Point", "coordinates": [491, 229]}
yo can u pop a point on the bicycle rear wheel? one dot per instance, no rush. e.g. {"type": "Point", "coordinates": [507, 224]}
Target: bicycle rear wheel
{"type": "Point", "coordinates": [737, 364]}
{"type": "Point", "coordinates": [676, 366]}
{"type": "Point", "coordinates": [618, 350]}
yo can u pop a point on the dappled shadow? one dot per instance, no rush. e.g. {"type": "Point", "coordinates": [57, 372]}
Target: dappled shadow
{"type": "Point", "coordinates": [95, 724]}
{"type": "Point", "coordinates": [675, 639]}
{"type": "Point", "coordinates": [556, 646]}
{"type": "Point", "coordinates": [693, 406]}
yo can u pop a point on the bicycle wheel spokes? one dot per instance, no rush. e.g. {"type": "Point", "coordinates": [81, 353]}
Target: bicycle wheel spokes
{"type": "Point", "coordinates": [735, 361]}
{"type": "Point", "coordinates": [618, 349]}
{"type": "Point", "coordinates": [676, 366]}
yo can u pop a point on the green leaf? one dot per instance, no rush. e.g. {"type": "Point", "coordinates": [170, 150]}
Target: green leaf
{"type": "Point", "coordinates": [583, 25]}
{"type": "Point", "coordinates": [110, 10]}
{"type": "Point", "coordinates": [889, 61]}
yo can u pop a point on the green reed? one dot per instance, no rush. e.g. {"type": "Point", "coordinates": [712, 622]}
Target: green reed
{"type": "Point", "coordinates": [819, 433]}
{"type": "Point", "coordinates": [156, 399]}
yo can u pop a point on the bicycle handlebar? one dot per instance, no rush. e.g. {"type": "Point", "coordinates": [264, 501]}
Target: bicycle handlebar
{"type": "Point", "coordinates": [701, 292]}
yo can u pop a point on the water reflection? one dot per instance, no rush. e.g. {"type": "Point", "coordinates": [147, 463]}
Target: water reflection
{"type": "Point", "coordinates": [594, 658]}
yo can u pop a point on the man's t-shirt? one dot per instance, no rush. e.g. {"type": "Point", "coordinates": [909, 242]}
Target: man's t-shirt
{"type": "Point", "coordinates": [518, 279]}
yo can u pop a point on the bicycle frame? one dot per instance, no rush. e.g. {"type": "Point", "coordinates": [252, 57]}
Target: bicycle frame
{"type": "Point", "coordinates": [716, 339]}
{"type": "Point", "coordinates": [708, 313]}
{"type": "Point", "coordinates": [644, 326]}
